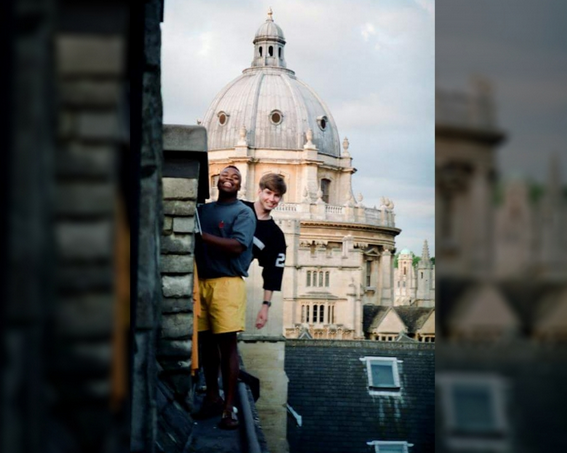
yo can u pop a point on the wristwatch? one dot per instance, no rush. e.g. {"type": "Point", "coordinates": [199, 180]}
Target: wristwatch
{"type": "Point", "coordinates": [267, 302]}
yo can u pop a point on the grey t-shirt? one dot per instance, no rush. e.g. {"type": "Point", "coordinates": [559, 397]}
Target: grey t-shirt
{"type": "Point", "coordinates": [228, 220]}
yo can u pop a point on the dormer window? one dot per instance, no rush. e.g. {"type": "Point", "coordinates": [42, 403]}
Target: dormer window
{"type": "Point", "coordinates": [322, 122]}
{"type": "Point", "coordinates": [223, 118]}
{"type": "Point", "coordinates": [276, 117]}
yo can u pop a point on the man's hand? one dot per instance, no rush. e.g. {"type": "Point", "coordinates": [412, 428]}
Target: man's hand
{"type": "Point", "coordinates": [262, 317]}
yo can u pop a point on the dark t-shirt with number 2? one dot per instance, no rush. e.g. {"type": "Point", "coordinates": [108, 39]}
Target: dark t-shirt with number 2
{"type": "Point", "coordinates": [269, 248]}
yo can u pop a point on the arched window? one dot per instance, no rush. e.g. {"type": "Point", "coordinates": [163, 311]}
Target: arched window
{"type": "Point", "coordinates": [260, 50]}
{"type": "Point", "coordinates": [314, 313]}
{"type": "Point", "coordinates": [404, 270]}
{"type": "Point", "coordinates": [327, 279]}
{"type": "Point", "coordinates": [320, 278]}
{"type": "Point", "coordinates": [422, 275]}
{"type": "Point", "coordinates": [321, 313]}
{"type": "Point", "coordinates": [308, 278]}
{"type": "Point", "coordinates": [271, 51]}
{"type": "Point", "coordinates": [325, 188]}
{"type": "Point", "coordinates": [369, 273]}
{"type": "Point", "coordinates": [280, 52]}
{"type": "Point", "coordinates": [307, 313]}
{"type": "Point", "coordinates": [332, 316]}
{"type": "Point", "coordinates": [303, 313]}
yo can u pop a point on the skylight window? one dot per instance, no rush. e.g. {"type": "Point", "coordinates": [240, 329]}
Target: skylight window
{"type": "Point", "coordinates": [383, 376]}
{"type": "Point", "coordinates": [474, 411]}
{"type": "Point", "coordinates": [382, 446]}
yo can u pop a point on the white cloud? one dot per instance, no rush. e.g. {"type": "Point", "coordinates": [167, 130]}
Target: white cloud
{"type": "Point", "coordinates": [366, 30]}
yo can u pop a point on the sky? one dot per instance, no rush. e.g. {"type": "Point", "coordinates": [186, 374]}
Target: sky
{"type": "Point", "coordinates": [372, 63]}
{"type": "Point", "coordinates": [520, 46]}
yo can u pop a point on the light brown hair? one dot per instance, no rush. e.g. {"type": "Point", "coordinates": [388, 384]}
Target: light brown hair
{"type": "Point", "coordinates": [273, 182]}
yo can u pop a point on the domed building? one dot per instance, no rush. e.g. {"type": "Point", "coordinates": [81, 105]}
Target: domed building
{"type": "Point", "coordinates": [340, 253]}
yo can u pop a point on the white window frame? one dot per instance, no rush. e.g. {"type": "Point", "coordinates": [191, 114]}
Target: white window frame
{"type": "Point", "coordinates": [497, 385]}
{"type": "Point", "coordinates": [395, 371]}
{"type": "Point", "coordinates": [378, 443]}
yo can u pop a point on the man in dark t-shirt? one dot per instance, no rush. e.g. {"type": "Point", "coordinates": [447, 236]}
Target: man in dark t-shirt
{"type": "Point", "coordinates": [269, 241]}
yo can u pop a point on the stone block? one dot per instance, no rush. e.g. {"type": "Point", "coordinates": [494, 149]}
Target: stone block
{"type": "Point", "coordinates": [90, 55]}
{"type": "Point", "coordinates": [177, 243]}
{"type": "Point", "coordinates": [167, 225]}
{"type": "Point", "coordinates": [179, 208]}
{"type": "Point", "coordinates": [85, 199]}
{"type": "Point", "coordinates": [85, 240]}
{"type": "Point", "coordinates": [86, 316]}
{"type": "Point", "coordinates": [177, 326]}
{"type": "Point", "coordinates": [184, 224]}
{"type": "Point", "coordinates": [176, 304]}
{"type": "Point", "coordinates": [177, 286]}
{"type": "Point", "coordinates": [179, 189]}
{"type": "Point", "coordinates": [98, 125]}
{"type": "Point", "coordinates": [175, 348]}
{"type": "Point", "coordinates": [89, 93]}
{"type": "Point", "coordinates": [85, 160]}
{"type": "Point", "coordinates": [66, 124]}
{"type": "Point", "coordinates": [177, 264]}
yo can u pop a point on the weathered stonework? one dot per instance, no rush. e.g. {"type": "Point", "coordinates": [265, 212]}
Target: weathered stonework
{"type": "Point", "coordinates": [177, 243]}
{"type": "Point", "coordinates": [177, 286]}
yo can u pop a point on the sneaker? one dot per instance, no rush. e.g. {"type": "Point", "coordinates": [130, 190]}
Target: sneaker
{"type": "Point", "coordinates": [209, 409]}
{"type": "Point", "coordinates": [229, 419]}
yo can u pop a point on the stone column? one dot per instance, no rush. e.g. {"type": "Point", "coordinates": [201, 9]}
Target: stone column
{"type": "Point", "coordinates": [387, 266]}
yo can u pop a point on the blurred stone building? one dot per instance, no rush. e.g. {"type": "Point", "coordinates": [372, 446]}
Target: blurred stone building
{"type": "Point", "coordinates": [501, 285]}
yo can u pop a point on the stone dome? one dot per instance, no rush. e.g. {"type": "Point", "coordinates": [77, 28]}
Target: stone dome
{"type": "Point", "coordinates": [405, 252]}
{"type": "Point", "coordinates": [271, 103]}
{"type": "Point", "coordinates": [269, 29]}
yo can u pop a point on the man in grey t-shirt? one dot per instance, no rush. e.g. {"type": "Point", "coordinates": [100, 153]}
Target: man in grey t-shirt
{"type": "Point", "coordinates": [223, 253]}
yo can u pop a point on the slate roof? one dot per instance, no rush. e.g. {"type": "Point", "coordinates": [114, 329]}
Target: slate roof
{"type": "Point", "coordinates": [413, 317]}
{"type": "Point", "coordinates": [328, 388]}
{"type": "Point", "coordinates": [372, 315]}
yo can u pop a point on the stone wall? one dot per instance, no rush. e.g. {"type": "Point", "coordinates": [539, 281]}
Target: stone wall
{"type": "Point", "coordinates": [177, 261]}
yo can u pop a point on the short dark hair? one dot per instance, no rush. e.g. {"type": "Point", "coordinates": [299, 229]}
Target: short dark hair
{"type": "Point", "coordinates": [231, 166]}
{"type": "Point", "coordinates": [273, 182]}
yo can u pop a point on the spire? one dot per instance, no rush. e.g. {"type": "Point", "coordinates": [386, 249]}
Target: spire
{"type": "Point", "coordinates": [425, 253]}
{"type": "Point", "coordinates": [270, 13]}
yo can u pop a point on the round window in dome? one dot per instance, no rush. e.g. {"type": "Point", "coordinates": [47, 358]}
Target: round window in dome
{"type": "Point", "coordinates": [276, 117]}
{"type": "Point", "coordinates": [322, 121]}
{"type": "Point", "coordinates": [223, 118]}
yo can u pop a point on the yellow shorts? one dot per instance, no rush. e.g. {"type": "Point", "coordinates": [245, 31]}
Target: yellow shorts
{"type": "Point", "coordinates": [223, 304]}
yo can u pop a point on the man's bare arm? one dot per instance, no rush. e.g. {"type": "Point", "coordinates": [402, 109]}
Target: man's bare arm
{"type": "Point", "coordinates": [227, 245]}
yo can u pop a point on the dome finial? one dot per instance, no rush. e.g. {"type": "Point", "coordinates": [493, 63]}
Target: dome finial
{"type": "Point", "coordinates": [270, 12]}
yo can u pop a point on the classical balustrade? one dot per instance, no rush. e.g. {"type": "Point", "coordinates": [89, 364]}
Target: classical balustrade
{"type": "Point", "coordinates": [348, 214]}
